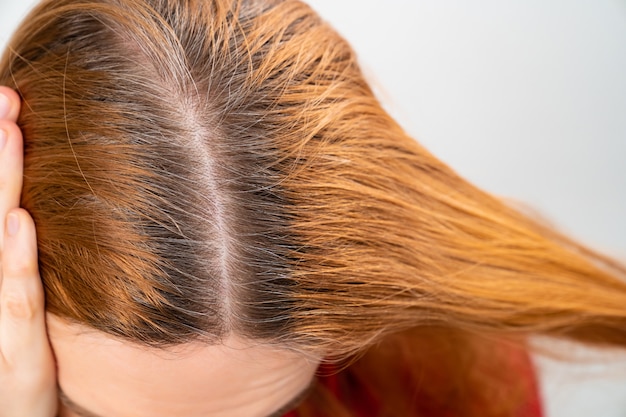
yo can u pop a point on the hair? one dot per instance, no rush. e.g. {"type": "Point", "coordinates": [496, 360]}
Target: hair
{"type": "Point", "coordinates": [202, 168]}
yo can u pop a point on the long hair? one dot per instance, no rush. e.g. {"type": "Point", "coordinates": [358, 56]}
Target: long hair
{"type": "Point", "coordinates": [198, 168]}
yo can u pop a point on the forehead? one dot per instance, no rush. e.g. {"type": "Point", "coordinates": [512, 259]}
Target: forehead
{"type": "Point", "coordinates": [116, 379]}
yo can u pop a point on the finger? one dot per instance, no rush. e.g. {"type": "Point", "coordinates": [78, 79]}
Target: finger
{"type": "Point", "coordinates": [22, 320]}
{"type": "Point", "coordinates": [9, 104]}
{"type": "Point", "coordinates": [11, 169]}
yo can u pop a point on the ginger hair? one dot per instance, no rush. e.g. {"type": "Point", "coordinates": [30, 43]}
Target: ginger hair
{"type": "Point", "coordinates": [197, 168]}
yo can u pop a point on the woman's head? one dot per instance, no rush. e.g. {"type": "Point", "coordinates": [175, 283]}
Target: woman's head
{"type": "Point", "coordinates": [160, 147]}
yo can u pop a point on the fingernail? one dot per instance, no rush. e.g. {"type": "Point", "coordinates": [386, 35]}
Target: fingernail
{"type": "Point", "coordinates": [3, 139]}
{"type": "Point", "coordinates": [5, 106]}
{"type": "Point", "coordinates": [13, 224]}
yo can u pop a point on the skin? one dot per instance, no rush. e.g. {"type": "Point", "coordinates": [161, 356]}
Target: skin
{"type": "Point", "coordinates": [234, 379]}
{"type": "Point", "coordinates": [98, 375]}
{"type": "Point", "coordinates": [27, 372]}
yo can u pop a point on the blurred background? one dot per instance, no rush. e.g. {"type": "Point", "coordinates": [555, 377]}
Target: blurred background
{"type": "Point", "coordinates": [525, 98]}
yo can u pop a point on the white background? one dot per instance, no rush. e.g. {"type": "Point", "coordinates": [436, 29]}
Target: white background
{"type": "Point", "coordinates": [526, 98]}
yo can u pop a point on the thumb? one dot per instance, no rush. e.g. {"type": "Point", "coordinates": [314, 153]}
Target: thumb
{"type": "Point", "coordinates": [22, 318]}
{"type": "Point", "coordinates": [27, 369]}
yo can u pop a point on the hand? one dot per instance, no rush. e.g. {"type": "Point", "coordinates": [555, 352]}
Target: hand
{"type": "Point", "coordinates": [27, 369]}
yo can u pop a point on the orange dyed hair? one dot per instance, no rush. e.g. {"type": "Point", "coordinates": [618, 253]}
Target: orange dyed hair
{"type": "Point", "coordinates": [197, 168]}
